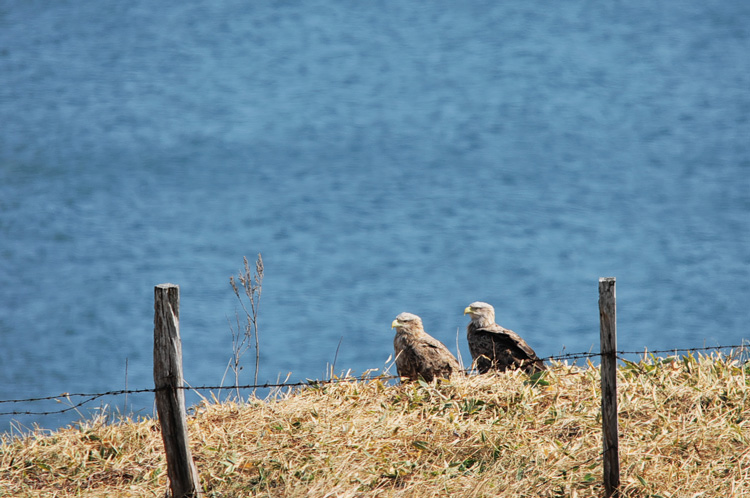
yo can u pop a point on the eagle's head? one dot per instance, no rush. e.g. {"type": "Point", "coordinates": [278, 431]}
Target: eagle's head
{"type": "Point", "coordinates": [407, 323]}
{"type": "Point", "coordinates": [482, 314]}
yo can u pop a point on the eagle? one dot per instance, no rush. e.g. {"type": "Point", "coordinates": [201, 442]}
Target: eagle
{"type": "Point", "coordinates": [494, 347]}
{"type": "Point", "coordinates": [418, 354]}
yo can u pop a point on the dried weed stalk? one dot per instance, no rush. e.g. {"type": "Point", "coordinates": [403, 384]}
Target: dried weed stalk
{"type": "Point", "coordinates": [251, 284]}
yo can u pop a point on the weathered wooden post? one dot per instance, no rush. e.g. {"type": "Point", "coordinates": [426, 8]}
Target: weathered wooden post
{"type": "Point", "coordinates": [608, 338]}
{"type": "Point", "coordinates": [170, 398]}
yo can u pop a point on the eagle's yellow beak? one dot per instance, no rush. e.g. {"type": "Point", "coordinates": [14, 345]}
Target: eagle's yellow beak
{"type": "Point", "coordinates": [394, 324]}
{"type": "Point", "coordinates": [467, 310]}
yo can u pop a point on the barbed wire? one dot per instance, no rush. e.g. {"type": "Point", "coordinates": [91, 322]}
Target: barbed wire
{"type": "Point", "coordinates": [313, 383]}
{"type": "Point", "coordinates": [577, 356]}
{"type": "Point", "coordinates": [66, 395]}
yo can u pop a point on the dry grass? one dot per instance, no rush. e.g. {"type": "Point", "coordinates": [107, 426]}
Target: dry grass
{"type": "Point", "coordinates": [683, 423]}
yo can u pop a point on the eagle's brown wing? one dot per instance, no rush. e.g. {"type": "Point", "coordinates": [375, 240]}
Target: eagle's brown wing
{"type": "Point", "coordinates": [427, 358]}
{"type": "Point", "coordinates": [407, 362]}
{"type": "Point", "coordinates": [496, 347]}
{"type": "Point", "coordinates": [438, 358]}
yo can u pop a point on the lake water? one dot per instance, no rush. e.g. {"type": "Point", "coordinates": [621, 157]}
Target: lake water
{"type": "Point", "coordinates": [383, 157]}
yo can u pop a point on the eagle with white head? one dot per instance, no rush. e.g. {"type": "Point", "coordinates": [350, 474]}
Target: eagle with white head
{"type": "Point", "coordinates": [418, 354]}
{"type": "Point", "coordinates": [494, 347]}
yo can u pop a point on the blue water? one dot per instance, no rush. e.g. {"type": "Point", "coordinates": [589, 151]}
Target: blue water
{"type": "Point", "coordinates": [383, 157]}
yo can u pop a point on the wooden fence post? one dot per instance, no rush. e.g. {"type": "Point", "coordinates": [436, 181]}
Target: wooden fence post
{"type": "Point", "coordinates": [170, 398]}
{"type": "Point", "coordinates": [608, 337]}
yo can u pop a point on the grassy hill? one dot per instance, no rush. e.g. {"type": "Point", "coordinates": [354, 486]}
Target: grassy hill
{"type": "Point", "coordinates": [684, 424]}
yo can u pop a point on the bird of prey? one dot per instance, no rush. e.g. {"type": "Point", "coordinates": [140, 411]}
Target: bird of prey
{"type": "Point", "coordinates": [494, 347]}
{"type": "Point", "coordinates": [418, 354]}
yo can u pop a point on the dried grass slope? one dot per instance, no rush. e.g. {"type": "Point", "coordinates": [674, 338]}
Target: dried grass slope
{"type": "Point", "coordinates": [684, 426]}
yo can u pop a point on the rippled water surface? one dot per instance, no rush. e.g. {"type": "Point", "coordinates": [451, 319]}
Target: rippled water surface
{"type": "Point", "coordinates": [383, 157]}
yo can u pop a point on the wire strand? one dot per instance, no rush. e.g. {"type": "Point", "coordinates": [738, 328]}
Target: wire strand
{"type": "Point", "coordinates": [312, 383]}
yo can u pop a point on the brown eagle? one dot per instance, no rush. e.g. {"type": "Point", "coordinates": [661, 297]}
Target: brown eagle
{"type": "Point", "coordinates": [494, 347]}
{"type": "Point", "coordinates": [418, 354]}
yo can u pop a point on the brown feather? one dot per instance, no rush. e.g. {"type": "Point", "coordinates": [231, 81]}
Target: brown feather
{"type": "Point", "coordinates": [418, 354]}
